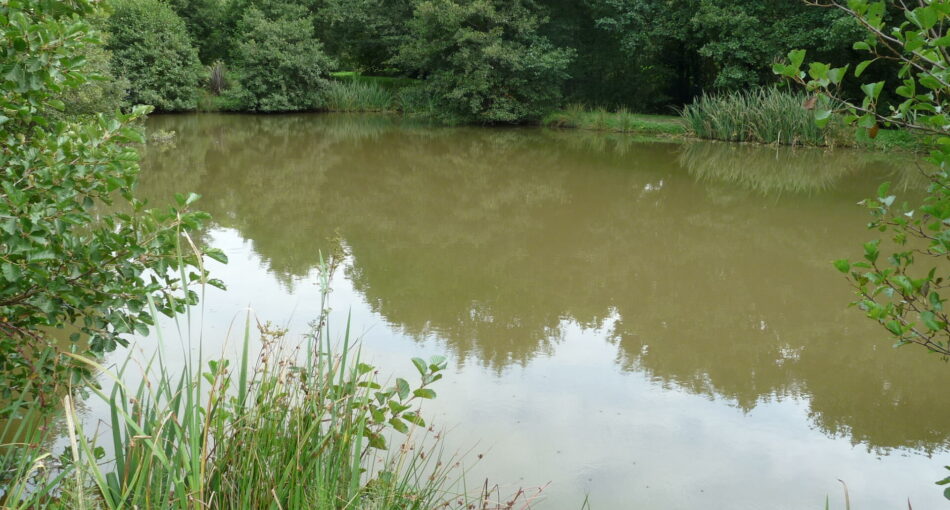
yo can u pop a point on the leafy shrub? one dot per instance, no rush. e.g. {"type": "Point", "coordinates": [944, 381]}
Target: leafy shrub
{"type": "Point", "coordinates": [151, 48]}
{"type": "Point", "coordinates": [280, 64]}
{"type": "Point", "coordinates": [103, 93]}
{"type": "Point", "coordinates": [68, 262]}
{"type": "Point", "coordinates": [485, 60]}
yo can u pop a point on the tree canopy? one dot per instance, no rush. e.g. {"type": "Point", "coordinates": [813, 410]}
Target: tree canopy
{"type": "Point", "coordinates": [484, 60]}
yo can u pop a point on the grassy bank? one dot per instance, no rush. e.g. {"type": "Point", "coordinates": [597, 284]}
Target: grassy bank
{"type": "Point", "coordinates": [621, 121]}
{"type": "Point", "coordinates": [762, 116]}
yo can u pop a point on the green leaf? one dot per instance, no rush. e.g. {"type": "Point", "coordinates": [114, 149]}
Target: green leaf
{"type": "Point", "coordinates": [437, 363]}
{"type": "Point", "coordinates": [883, 189]}
{"type": "Point", "coordinates": [216, 254]}
{"type": "Point", "coordinates": [420, 365]}
{"type": "Point", "coordinates": [414, 418]}
{"type": "Point", "coordinates": [894, 327]}
{"type": "Point", "coordinates": [871, 250]}
{"type": "Point", "coordinates": [873, 90]}
{"type": "Point", "coordinates": [132, 134]}
{"type": "Point", "coordinates": [402, 388]}
{"type": "Point", "coordinates": [930, 320]}
{"type": "Point", "coordinates": [796, 57]}
{"type": "Point", "coordinates": [842, 265]}
{"type": "Point", "coordinates": [11, 272]}
{"type": "Point", "coordinates": [399, 425]}
{"type": "Point", "coordinates": [424, 393]}
{"type": "Point", "coordinates": [859, 69]}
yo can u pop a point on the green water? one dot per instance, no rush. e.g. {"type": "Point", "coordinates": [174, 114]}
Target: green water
{"type": "Point", "coordinates": [652, 324]}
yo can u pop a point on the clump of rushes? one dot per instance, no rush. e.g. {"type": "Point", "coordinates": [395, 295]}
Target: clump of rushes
{"type": "Point", "coordinates": [357, 96]}
{"type": "Point", "coordinates": [765, 115]}
{"type": "Point", "coordinates": [308, 427]}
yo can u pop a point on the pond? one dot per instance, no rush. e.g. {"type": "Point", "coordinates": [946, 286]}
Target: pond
{"type": "Point", "coordinates": [645, 324]}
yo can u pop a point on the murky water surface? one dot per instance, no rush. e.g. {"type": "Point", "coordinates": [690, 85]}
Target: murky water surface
{"type": "Point", "coordinates": [652, 325]}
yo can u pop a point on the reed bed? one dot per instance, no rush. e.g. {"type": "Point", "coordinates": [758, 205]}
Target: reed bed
{"type": "Point", "coordinates": [765, 115]}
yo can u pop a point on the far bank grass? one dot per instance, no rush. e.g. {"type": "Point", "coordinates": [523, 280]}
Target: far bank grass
{"type": "Point", "coordinates": [767, 115]}
{"type": "Point", "coordinates": [760, 116]}
{"type": "Point", "coordinates": [620, 121]}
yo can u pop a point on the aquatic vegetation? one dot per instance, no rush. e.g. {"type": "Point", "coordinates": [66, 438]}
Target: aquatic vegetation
{"type": "Point", "coordinates": [764, 115]}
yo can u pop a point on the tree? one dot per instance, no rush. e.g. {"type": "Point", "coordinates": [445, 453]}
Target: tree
{"type": "Point", "coordinates": [208, 24]}
{"type": "Point", "coordinates": [68, 260]}
{"type": "Point", "coordinates": [280, 64]}
{"type": "Point", "coordinates": [902, 281]}
{"type": "Point", "coordinates": [151, 48]}
{"type": "Point", "coordinates": [484, 59]}
{"type": "Point", "coordinates": [686, 47]}
{"type": "Point", "coordinates": [103, 92]}
{"type": "Point", "coordinates": [363, 35]}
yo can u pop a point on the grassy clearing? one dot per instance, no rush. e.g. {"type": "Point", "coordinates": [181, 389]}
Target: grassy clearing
{"type": "Point", "coordinates": [622, 121]}
{"type": "Point", "coordinates": [304, 427]}
{"type": "Point", "coordinates": [386, 82]}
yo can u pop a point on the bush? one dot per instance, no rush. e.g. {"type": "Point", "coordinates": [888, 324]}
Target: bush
{"type": "Point", "coordinates": [484, 60]}
{"type": "Point", "coordinates": [280, 65]}
{"type": "Point", "coordinates": [103, 93]}
{"type": "Point", "coordinates": [68, 261]}
{"type": "Point", "coordinates": [151, 48]}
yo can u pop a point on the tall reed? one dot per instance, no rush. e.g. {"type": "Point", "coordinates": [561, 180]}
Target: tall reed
{"type": "Point", "coordinates": [357, 96]}
{"type": "Point", "coordinates": [764, 115]}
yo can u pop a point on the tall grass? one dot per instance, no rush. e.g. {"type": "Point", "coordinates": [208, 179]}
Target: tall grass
{"type": "Point", "coordinates": [357, 96]}
{"type": "Point", "coordinates": [623, 121]}
{"type": "Point", "coordinates": [764, 115]}
{"type": "Point", "coordinates": [307, 426]}
{"type": "Point", "coordinates": [417, 100]}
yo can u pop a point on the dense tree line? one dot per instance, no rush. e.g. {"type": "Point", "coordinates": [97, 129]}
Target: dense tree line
{"type": "Point", "coordinates": [482, 60]}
